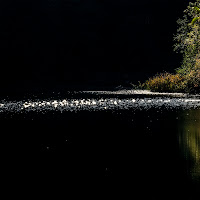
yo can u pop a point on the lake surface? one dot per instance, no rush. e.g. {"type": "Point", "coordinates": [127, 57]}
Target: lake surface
{"type": "Point", "coordinates": [111, 145]}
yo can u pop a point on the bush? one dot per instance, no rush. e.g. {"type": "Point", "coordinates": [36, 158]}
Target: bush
{"type": "Point", "coordinates": [167, 82]}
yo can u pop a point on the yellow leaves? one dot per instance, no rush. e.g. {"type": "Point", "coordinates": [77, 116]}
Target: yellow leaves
{"type": "Point", "coordinates": [194, 20]}
{"type": "Point", "coordinates": [165, 82]}
{"type": "Point", "coordinates": [196, 8]}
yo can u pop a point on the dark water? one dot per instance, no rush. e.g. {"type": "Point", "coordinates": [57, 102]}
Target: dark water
{"type": "Point", "coordinates": [149, 153]}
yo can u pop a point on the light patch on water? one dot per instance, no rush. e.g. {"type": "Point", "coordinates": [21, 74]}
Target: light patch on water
{"type": "Point", "coordinates": [99, 104]}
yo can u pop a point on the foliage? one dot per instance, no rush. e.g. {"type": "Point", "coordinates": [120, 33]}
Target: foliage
{"type": "Point", "coordinates": [192, 82]}
{"type": "Point", "coordinates": [188, 37]}
{"type": "Point", "coordinates": [187, 77]}
{"type": "Point", "coordinates": [165, 82]}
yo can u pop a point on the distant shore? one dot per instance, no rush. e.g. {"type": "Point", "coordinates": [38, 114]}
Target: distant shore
{"type": "Point", "coordinates": [146, 93]}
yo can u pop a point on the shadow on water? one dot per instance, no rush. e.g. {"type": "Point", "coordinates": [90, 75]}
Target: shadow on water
{"type": "Point", "coordinates": [145, 152]}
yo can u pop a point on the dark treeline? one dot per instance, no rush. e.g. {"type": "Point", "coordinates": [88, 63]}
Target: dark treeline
{"type": "Point", "coordinates": [82, 43]}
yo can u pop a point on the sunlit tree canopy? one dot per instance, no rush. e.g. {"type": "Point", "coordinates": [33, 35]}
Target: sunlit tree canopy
{"type": "Point", "coordinates": [188, 38]}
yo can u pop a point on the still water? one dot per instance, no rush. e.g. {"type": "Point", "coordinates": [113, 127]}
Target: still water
{"type": "Point", "coordinates": [118, 146]}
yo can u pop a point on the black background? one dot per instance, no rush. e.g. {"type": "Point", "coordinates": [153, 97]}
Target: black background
{"type": "Point", "coordinates": [92, 44]}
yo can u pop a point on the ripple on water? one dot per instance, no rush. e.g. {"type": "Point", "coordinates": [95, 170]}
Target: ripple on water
{"type": "Point", "coordinates": [98, 104]}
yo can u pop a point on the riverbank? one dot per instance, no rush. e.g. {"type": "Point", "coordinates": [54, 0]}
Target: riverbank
{"type": "Point", "coordinates": [187, 82]}
{"type": "Point", "coordinates": [142, 93]}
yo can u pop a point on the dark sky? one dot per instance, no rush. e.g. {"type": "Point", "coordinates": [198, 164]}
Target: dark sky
{"type": "Point", "coordinates": [73, 41]}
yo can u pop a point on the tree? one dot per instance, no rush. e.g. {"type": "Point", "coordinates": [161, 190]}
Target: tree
{"type": "Point", "coordinates": [188, 38]}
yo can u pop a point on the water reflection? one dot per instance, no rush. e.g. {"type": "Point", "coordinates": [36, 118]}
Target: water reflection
{"type": "Point", "coordinates": [189, 142]}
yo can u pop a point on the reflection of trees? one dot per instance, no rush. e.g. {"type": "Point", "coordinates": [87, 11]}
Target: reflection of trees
{"type": "Point", "coordinates": [189, 141]}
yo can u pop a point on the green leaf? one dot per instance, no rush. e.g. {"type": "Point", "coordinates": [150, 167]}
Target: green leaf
{"type": "Point", "coordinates": [197, 9]}
{"type": "Point", "coordinates": [194, 20]}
